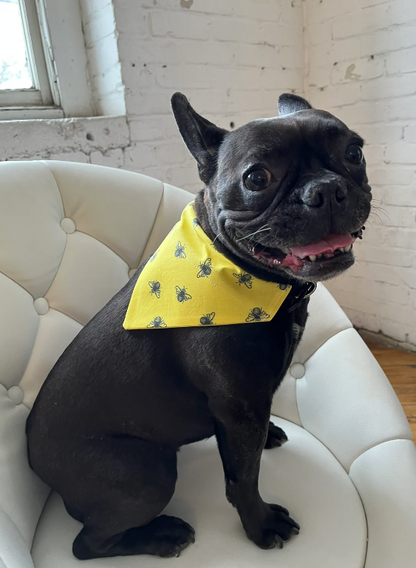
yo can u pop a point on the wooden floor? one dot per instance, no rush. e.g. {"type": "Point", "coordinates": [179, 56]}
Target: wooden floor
{"type": "Point", "coordinates": [400, 367]}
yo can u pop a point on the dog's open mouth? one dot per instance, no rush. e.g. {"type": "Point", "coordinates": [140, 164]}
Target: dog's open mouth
{"type": "Point", "coordinates": [297, 257]}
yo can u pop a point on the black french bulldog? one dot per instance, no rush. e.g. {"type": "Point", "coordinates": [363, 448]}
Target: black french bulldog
{"type": "Point", "coordinates": [107, 424]}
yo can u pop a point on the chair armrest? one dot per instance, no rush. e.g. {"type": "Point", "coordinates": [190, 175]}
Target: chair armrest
{"type": "Point", "coordinates": [14, 552]}
{"type": "Point", "coordinates": [346, 400]}
{"type": "Point", "coordinates": [385, 477]}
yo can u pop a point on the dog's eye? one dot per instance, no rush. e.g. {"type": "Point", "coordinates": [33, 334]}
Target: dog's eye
{"type": "Point", "coordinates": [257, 179]}
{"type": "Point", "coordinates": [354, 154]}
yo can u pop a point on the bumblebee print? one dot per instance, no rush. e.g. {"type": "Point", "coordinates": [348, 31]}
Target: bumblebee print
{"type": "Point", "coordinates": [205, 289]}
{"type": "Point", "coordinates": [257, 314]}
{"type": "Point", "coordinates": [155, 288]}
{"type": "Point", "coordinates": [206, 268]}
{"type": "Point", "coordinates": [157, 322]}
{"type": "Point", "coordinates": [180, 250]}
{"type": "Point", "coordinates": [207, 319]}
{"type": "Point", "coordinates": [182, 295]}
{"type": "Point", "coordinates": [246, 279]}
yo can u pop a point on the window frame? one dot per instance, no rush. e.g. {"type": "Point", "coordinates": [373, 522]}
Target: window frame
{"type": "Point", "coordinates": [61, 84]}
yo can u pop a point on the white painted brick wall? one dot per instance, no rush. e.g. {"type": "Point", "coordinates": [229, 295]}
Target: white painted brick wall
{"type": "Point", "coordinates": [104, 69]}
{"type": "Point", "coordinates": [232, 59]}
{"type": "Point", "coordinates": [361, 65]}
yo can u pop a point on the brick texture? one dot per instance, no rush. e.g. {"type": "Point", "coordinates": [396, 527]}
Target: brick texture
{"type": "Point", "coordinates": [104, 70]}
{"type": "Point", "coordinates": [361, 65]}
{"type": "Point", "coordinates": [232, 60]}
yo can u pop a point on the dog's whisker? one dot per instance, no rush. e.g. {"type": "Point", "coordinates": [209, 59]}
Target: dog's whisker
{"type": "Point", "coordinates": [261, 230]}
{"type": "Point", "coordinates": [216, 237]}
{"type": "Point", "coordinates": [374, 214]}
{"type": "Point", "coordinates": [377, 210]}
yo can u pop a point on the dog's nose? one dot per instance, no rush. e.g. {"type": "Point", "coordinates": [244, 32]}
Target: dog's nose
{"type": "Point", "coordinates": [317, 192]}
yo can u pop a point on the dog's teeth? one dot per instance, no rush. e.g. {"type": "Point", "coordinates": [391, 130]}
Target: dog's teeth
{"type": "Point", "coordinates": [312, 257]}
{"type": "Point", "coordinates": [348, 248]}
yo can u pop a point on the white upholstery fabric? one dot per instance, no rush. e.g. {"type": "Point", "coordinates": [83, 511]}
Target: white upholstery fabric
{"type": "Point", "coordinates": [326, 319]}
{"type": "Point", "coordinates": [341, 371]}
{"type": "Point", "coordinates": [105, 205]}
{"type": "Point", "coordinates": [14, 552]}
{"type": "Point", "coordinates": [30, 214]}
{"type": "Point", "coordinates": [55, 332]}
{"type": "Point", "coordinates": [22, 494]}
{"type": "Point", "coordinates": [88, 269]}
{"type": "Point", "coordinates": [70, 236]}
{"type": "Point", "coordinates": [385, 479]}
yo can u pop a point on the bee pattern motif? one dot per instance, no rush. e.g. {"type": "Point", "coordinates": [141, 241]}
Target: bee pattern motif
{"type": "Point", "coordinates": [157, 322]}
{"type": "Point", "coordinates": [283, 286]}
{"type": "Point", "coordinates": [206, 268]}
{"type": "Point", "coordinates": [246, 279]}
{"type": "Point", "coordinates": [257, 314]}
{"type": "Point", "coordinates": [207, 319]}
{"type": "Point", "coordinates": [155, 288]}
{"type": "Point", "coordinates": [182, 295]}
{"type": "Point", "coordinates": [180, 250]}
{"type": "Point", "coordinates": [195, 223]}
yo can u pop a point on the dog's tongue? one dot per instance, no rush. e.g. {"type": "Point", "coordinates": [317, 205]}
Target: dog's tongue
{"type": "Point", "coordinates": [327, 244]}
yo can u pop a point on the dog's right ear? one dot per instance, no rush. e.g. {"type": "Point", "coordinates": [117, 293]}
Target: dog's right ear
{"type": "Point", "coordinates": [289, 103]}
{"type": "Point", "coordinates": [201, 136]}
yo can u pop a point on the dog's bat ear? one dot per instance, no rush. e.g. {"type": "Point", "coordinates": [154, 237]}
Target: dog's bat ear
{"type": "Point", "coordinates": [200, 135]}
{"type": "Point", "coordinates": [289, 103]}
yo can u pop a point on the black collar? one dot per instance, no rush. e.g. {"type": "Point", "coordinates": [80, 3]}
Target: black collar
{"type": "Point", "coordinates": [301, 292]}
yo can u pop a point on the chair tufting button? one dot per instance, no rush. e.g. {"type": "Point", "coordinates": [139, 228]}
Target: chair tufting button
{"type": "Point", "coordinates": [68, 226]}
{"type": "Point", "coordinates": [41, 306]}
{"type": "Point", "coordinates": [16, 394]}
{"type": "Point", "coordinates": [297, 370]}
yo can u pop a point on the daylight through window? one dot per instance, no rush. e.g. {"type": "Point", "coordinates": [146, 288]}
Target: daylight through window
{"type": "Point", "coordinates": [15, 70]}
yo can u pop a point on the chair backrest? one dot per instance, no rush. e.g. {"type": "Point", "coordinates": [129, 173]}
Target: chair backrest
{"type": "Point", "coordinates": [71, 235]}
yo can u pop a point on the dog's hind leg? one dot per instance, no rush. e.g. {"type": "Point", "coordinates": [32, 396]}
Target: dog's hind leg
{"type": "Point", "coordinates": [125, 485]}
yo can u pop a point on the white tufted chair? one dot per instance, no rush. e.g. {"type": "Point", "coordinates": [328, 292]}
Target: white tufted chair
{"type": "Point", "coordinates": [70, 237]}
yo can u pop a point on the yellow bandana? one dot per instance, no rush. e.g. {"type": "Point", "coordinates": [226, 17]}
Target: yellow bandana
{"type": "Point", "coordinates": [187, 283]}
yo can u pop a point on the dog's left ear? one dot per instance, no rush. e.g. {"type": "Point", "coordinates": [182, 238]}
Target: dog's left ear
{"type": "Point", "coordinates": [289, 103]}
{"type": "Point", "coordinates": [200, 135]}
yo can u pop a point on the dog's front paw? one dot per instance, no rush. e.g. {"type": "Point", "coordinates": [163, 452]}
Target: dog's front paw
{"type": "Point", "coordinates": [276, 437]}
{"type": "Point", "coordinates": [275, 528]}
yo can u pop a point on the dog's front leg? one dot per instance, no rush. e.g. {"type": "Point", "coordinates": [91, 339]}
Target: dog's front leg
{"type": "Point", "coordinates": [241, 434]}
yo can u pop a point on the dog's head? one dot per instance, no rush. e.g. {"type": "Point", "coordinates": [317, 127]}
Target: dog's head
{"type": "Point", "coordinates": [287, 195]}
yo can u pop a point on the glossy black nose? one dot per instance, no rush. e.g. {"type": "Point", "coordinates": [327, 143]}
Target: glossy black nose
{"type": "Point", "coordinates": [318, 192]}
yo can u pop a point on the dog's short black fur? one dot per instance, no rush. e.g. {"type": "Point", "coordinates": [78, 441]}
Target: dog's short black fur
{"type": "Point", "coordinates": [108, 422]}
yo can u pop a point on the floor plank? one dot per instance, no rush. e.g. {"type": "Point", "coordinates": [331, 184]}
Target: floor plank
{"type": "Point", "coordinates": [400, 368]}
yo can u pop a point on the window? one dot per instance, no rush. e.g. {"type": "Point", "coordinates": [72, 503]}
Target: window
{"type": "Point", "coordinates": [43, 70]}
{"type": "Point", "coordinates": [14, 64]}
{"type": "Point", "coordinates": [24, 80]}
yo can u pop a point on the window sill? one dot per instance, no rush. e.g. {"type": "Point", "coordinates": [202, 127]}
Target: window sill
{"type": "Point", "coordinates": [24, 113]}
{"type": "Point", "coordinates": [63, 138]}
